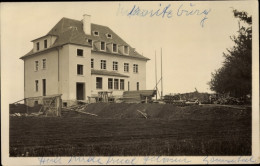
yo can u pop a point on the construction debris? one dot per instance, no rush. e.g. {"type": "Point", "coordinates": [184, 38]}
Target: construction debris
{"type": "Point", "coordinates": [16, 114]}
{"type": "Point", "coordinates": [25, 114]}
{"type": "Point", "coordinates": [188, 98]}
{"type": "Point", "coordinates": [79, 108]}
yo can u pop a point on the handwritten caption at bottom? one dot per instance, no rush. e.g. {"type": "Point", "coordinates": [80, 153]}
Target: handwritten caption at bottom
{"type": "Point", "coordinates": [112, 160]}
{"type": "Point", "coordinates": [147, 160]}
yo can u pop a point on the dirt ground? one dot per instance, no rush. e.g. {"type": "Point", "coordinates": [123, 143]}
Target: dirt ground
{"type": "Point", "coordinates": [120, 130]}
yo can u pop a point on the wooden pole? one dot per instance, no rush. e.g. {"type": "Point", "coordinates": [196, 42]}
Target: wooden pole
{"type": "Point", "coordinates": [161, 77]}
{"type": "Point", "coordinates": [156, 75]}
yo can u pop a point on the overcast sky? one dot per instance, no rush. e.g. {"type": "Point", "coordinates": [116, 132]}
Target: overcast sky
{"type": "Point", "coordinates": [192, 48]}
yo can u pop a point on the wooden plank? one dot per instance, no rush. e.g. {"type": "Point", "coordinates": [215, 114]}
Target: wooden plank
{"type": "Point", "coordinates": [19, 101]}
{"type": "Point", "coordinates": [86, 113]}
{"type": "Point", "coordinates": [142, 113]}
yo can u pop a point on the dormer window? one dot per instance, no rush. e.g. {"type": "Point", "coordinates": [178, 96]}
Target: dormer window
{"type": "Point", "coordinates": [102, 46]}
{"type": "Point", "coordinates": [114, 47]}
{"type": "Point", "coordinates": [126, 50]}
{"type": "Point", "coordinates": [90, 42]}
{"type": "Point", "coordinates": [96, 33]}
{"type": "Point", "coordinates": [109, 36]}
{"type": "Point", "coordinates": [37, 46]}
{"type": "Point", "coordinates": [45, 43]}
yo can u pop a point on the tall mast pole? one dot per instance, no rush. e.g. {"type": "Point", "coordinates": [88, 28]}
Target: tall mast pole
{"type": "Point", "coordinates": [161, 77]}
{"type": "Point", "coordinates": [156, 75]}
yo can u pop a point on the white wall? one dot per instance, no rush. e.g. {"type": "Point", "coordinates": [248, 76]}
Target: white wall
{"type": "Point", "coordinates": [72, 73]}
{"type": "Point", "coordinates": [50, 74]}
{"type": "Point", "coordinates": [65, 82]}
{"type": "Point", "coordinates": [64, 72]}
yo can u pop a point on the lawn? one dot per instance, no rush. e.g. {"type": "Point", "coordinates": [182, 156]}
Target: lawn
{"type": "Point", "coordinates": [168, 131]}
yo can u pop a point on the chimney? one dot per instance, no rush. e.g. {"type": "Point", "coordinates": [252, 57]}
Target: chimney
{"type": "Point", "coordinates": [87, 24]}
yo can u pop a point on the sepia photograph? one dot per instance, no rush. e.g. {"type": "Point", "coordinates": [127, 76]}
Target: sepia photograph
{"type": "Point", "coordinates": [127, 83]}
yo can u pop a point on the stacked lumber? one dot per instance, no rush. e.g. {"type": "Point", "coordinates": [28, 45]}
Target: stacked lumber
{"type": "Point", "coordinates": [187, 97]}
{"type": "Point", "coordinates": [137, 96]}
{"type": "Point", "coordinates": [171, 98]}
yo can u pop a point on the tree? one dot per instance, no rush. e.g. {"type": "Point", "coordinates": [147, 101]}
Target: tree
{"type": "Point", "coordinates": [235, 76]}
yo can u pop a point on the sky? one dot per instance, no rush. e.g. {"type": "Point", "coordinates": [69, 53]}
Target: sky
{"type": "Point", "coordinates": [192, 46]}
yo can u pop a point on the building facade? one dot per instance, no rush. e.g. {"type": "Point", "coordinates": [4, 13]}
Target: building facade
{"type": "Point", "coordinates": [78, 59]}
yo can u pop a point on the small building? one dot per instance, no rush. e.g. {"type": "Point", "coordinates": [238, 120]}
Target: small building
{"type": "Point", "coordinates": [78, 59]}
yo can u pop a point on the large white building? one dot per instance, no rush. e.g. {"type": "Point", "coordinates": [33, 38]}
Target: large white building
{"type": "Point", "coordinates": [78, 59]}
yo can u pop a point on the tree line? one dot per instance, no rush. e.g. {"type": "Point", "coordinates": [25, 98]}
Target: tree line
{"type": "Point", "coordinates": [235, 75]}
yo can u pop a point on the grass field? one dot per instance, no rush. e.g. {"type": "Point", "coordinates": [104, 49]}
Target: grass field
{"type": "Point", "coordinates": [119, 130]}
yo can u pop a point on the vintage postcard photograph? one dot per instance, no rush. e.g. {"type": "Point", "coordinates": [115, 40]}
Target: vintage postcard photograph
{"type": "Point", "coordinates": [128, 83]}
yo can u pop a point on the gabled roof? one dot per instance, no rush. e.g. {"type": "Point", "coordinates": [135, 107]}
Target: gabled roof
{"type": "Point", "coordinates": [70, 31]}
{"type": "Point", "coordinates": [108, 73]}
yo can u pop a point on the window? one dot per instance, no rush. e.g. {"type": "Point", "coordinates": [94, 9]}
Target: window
{"type": "Point", "coordinates": [114, 47]}
{"type": "Point", "coordinates": [110, 83]}
{"type": "Point", "coordinates": [102, 46]}
{"type": "Point", "coordinates": [90, 42]}
{"type": "Point", "coordinates": [137, 86]}
{"type": "Point", "coordinates": [115, 83]}
{"type": "Point", "coordinates": [96, 33]}
{"type": "Point", "coordinates": [103, 64]}
{"type": "Point", "coordinates": [98, 83]}
{"type": "Point", "coordinates": [122, 84]}
{"type": "Point", "coordinates": [135, 68]}
{"type": "Point", "coordinates": [126, 67]}
{"type": "Point", "coordinates": [44, 87]}
{"type": "Point", "coordinates": [45, 43]}
{"type": "Point", "coordinates": [36, 65]}
{"type": "Point", "coordinates": [36, 102]}
{"type": "Point", "coordinates": [80, 69]}
{"type": "Point", "coordinates": [79, 52]}
{"type": "Point", "coordinates": [37, 46]}
{"type": "Point", "coordinates": [36, 85]}
{"type": "Point", "coordinates": [115, 66]}
{"type": "Point", "coordinates": [109, 36]}
{"type": "Point", "coordinates": [65, 104]}
{"type": "Point", "coordinates": [44, 64]}
{"type": "Point", "coordinates": [126, 49]}
{"type": "Point", "coordinates": [92, 63]}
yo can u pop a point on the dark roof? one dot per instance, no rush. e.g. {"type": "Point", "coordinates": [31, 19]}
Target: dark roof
{"type": "Point", "coordinates": [108, 73]}
{"type": "Point", "coordinates": [42, 37]}
{"type": "Point", "coordinates": [70, 31]}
